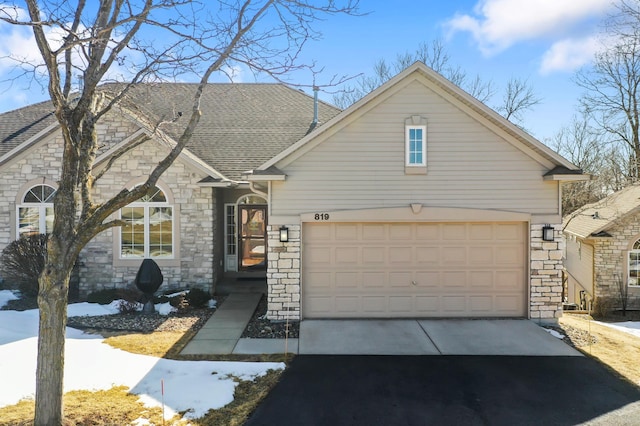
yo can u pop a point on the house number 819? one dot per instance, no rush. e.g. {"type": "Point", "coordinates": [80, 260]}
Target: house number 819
{"type": "Point", "coordinates": [321, 216]}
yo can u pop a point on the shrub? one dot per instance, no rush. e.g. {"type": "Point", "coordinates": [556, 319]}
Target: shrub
{"type": "Point", "coordinates": [197, 298]}
{"type": "Point", "coordinates": [602, 306]}
{"type": "Point", "coordinates": [108, 295]}
{"type": "Point", "coordinates": [103, 297]}
{"type": "Point", "coordinates": [22, 261]}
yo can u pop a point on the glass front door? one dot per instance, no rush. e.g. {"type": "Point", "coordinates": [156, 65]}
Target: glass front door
{"type": "Point", "coordinates": [252, 255]}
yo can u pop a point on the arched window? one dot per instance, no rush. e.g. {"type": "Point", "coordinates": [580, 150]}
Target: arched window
{"type": "Point", "coordinates": [148, 232]}
{"type": "Point", "coordinates": [35, 212]}
{"type": "Point", "coordinates": [634, 264]}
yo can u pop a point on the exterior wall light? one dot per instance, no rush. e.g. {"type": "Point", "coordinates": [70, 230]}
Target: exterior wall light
{"type": "Point", "coordinates": [547, 233]}
{"type": "Point", "coordinates": [284, 234]}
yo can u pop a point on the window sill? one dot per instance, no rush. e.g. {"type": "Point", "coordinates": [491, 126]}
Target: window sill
{"type": "Point", "coordinates": [138, 261]}
{"type": "Point", "coordinates": [415, 170]}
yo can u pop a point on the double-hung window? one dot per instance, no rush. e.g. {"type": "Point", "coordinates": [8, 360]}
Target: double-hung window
{"type": "Point", "coordinates": [148, 229]}
{"type": "Point", "coordinates": [35, 212]}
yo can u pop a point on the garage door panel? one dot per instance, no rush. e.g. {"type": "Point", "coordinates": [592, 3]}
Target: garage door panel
{"type": "Point", "coordinates": [347, 304]}
{"type": "Point", "coordinates": [346, 280]}
{"type": "Point", "coordinates": [427, 279]}
{"type": "Point", "coordinates": [508, 255]}
{"type": "Point", "coordinates": [347, 256]}
{"type": "Point", "coordinates": [400, 304]}
{"type": "Point", "coordinates": [481, 231]}
{"type": "Point", "coordinates": [427, 305]}
{"type": "Point", "coordinates": [454, 232]}
{"type": "Point", "coordinates": [413, 270]}
{"type": "Point", "coordinates": [454, 304]}
{"type": "Point", "coordinates": [453, 279]}
{"type": "Point", "coordinates": [427, 255]}
{"type": "Point", "coordinates": [454, 255]}
{"type": "Point", "coordinates": [481, 255]}
{"type": "Point", "coordinates": [508, 232]}
{"type": "Point", "coordinates": [508, 280]}
{"type": "Point", "coordinates": [480, 304]}
{"type": "Point", "coordinates": [374, 304]}
{"type": "Point", "coordinates": [373, 232]}
{"type": "Point", "coordinates": [374, 255]}
{"type": "Point", "coordinates": [400, 279]}
{"type": "Point", "coordinates": [374, 279]}
{"type": "Point", "coordinates": [481, 280]}
{"type": "Point", "coordinates": [319, 256]}
{"type": "Point", "coordinates": [427, 232]}
{"type": "Point", "coordinates": [399, 232]}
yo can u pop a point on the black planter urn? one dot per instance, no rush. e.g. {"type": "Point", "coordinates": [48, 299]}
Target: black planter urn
{"type": "Point", "coordinates": [148, 280]}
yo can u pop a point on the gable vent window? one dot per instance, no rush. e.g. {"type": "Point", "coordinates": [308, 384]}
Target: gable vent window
{"type": "Point", "coordinates": [415, 145]}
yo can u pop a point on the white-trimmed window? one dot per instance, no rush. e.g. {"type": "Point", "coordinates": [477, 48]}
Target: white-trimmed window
{"type": "Point", "coordinates": [634, 264]}
{"type": "Point", "coordinates": [35, 212]}
{"type": "Point", "coordinates": [149, 230]}
{"type": "Point", "coordinates": [416, 146]}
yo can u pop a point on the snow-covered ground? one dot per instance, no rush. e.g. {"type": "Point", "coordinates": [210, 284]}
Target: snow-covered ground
{"type": "Point", "coordinates": [92, 365]}
{"type": "Point", "coordinates": [631, 327]}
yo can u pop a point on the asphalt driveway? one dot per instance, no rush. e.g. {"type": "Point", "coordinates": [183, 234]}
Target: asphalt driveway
{"type": "Point", "coordinates": [336, 390]}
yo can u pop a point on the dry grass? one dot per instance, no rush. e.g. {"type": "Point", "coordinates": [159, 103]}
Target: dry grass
{"type": "Point", "coordinates": [117, 407]}
{"type": "Point", "coordinates": [111, 407]}
{"type": "Point", "coordinates": [617, 349]}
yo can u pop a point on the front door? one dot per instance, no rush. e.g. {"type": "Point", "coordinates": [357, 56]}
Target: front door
{"type": "Point", "coordinates": [252, 255]}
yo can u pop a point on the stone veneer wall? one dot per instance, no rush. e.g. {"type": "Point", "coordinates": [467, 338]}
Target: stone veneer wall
{"type": "Point", "coordinates": [194, 204]}
{"type": "Point", "coordinates": [283, 274]}
{"type": "Point", "coordinates": [610, 258]}
{"type": "Point", "coordinates": [545, 303]}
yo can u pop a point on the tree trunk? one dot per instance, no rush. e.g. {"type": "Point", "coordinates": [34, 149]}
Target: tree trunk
{"type": "Point", "coordinates": [52, 302]}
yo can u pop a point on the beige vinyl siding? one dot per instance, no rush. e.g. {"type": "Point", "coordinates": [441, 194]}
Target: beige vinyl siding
{"type": "Point", "coordinates": [579, 265]}
{"type": "Point", "coordinates": [362, 164]}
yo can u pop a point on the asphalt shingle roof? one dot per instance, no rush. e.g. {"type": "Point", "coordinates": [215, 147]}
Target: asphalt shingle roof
{"type": "Point", "coordinates": [242, 125]}
{"type": "Point", "coordinates": [599, 216]}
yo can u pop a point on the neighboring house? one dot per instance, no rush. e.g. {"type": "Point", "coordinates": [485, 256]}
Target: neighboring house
{"type": "Point", "coordinates": [603, 250]}
{"type": "Point", "coordinates": [417, 201]}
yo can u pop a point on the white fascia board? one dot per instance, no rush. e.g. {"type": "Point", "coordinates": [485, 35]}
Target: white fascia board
{"type": "Point", "coordinates": [567, 178]}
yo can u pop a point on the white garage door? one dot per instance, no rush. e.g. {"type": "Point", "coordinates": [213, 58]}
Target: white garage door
{"type": "Point", "coordinates": [366, 270]}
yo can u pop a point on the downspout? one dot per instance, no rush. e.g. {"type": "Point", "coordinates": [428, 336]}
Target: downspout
{"type": "Point", "coordinates": [255, 190]}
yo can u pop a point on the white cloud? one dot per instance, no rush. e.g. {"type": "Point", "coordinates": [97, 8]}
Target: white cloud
{"type": "Point", "coordinates": [569, 54]}
{"type": "Point", "coordinates": [498, 24]}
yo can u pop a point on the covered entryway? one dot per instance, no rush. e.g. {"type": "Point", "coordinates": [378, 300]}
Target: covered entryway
{"type": "Point", "coordinates": [402, 270]}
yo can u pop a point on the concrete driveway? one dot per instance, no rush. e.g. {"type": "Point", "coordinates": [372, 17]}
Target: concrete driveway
{"type": "Point", "coordinates": [429, 337]}
{"type": "Point", "coordinates": [332, 390]}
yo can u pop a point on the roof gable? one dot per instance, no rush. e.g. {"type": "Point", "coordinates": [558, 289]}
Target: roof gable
{"type": "Point", "coordinates": [450, 92]}
{"type": "Point", "coordinates": [600, 216]}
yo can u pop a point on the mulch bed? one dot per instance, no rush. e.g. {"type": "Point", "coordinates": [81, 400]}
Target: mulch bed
{"type": "Point", "coordinates": [261, 328]}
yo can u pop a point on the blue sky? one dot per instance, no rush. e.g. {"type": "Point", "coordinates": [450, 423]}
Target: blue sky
{"type": "Point", "coordinates": [544, 41]}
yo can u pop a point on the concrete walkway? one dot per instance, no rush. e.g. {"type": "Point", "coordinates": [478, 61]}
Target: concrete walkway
{"type": "Point", "coordinates": [221, 334]}
{"type": "Point", "coordinates": [519, 337]}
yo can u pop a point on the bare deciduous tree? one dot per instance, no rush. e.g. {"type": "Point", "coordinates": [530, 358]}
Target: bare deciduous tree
{"type": "Point", "coordinates": [612, 82]}
{"type": "Point", "coordinates": [518, 97]}
{"type": "Point", "coordinates": [86, 43]}
{"type": "Point", "coordinates": [581, 145]}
